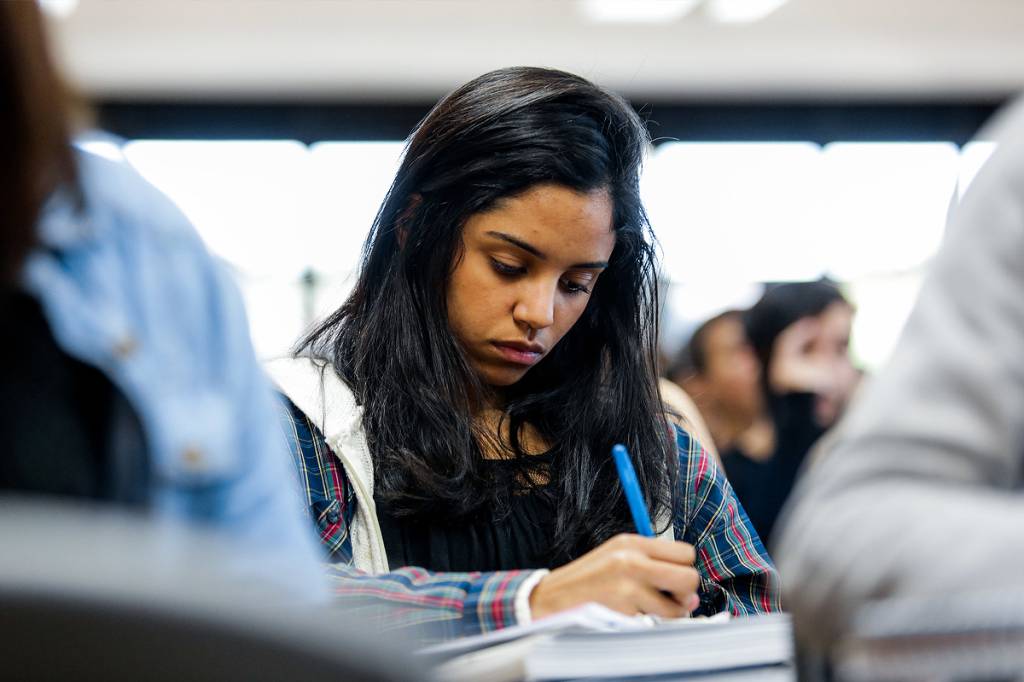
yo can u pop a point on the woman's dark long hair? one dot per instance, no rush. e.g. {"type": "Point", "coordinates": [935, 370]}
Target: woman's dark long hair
{"type": "Point", "coordinates": [33, 118]}
{"type": "Point", "coordinates": [493, 138]}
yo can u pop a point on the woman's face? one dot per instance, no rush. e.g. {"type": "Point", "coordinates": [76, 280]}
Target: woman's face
{"type": "Point", "coordinates": [526, 272]}
{"type": "Point", "coordinates": [831, 347]}
{"type": "Point", "coordinates": [732, 375]}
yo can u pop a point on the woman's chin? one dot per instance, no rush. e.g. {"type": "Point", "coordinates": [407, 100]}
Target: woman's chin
{"type": "Point", "coordinates": [502, 377]}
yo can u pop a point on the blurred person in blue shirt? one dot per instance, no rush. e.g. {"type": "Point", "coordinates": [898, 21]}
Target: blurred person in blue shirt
{"type": "Point", "coordinates": [129, 375]}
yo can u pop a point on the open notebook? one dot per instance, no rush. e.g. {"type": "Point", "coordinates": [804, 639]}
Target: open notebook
{"type": "Point", "coordinates": [595, 642]}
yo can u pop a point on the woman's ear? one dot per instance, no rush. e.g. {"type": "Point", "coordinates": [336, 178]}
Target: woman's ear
{"type": "Point", "coordinates": [402, 224]}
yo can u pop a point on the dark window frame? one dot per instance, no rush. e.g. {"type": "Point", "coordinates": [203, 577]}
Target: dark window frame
{"type": "Point", "coordinates": [693, 122]}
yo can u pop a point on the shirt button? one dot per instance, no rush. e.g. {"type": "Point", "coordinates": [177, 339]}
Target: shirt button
{"type": "Point", "coordinates": [333, 516]}
{"type": "Point", "coordinates": [193, 458]}
{"type": "Point", "coordinates": [125, 347]}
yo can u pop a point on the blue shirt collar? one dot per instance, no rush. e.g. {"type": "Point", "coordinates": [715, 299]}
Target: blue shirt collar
{"type": "Point", "coordinates": [63, 222]}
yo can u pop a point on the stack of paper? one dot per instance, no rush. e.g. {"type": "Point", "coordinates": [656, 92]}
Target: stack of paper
{"type": "Point", "coordinates": [594, 642]}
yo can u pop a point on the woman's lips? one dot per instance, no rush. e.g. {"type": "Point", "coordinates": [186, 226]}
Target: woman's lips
{"type": "Point", "coordinates": [517, 354]}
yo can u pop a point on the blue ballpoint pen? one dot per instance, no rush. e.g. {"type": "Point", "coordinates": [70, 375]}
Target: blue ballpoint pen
{"type": "Point", "coordinates": [631, 487]}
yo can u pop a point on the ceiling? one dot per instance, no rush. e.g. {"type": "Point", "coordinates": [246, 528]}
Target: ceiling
{"type": "Point", "coordinates": [365, 50]}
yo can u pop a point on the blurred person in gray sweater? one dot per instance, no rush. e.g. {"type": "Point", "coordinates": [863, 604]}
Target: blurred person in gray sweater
{"type": "Point", "coordinates": [919, 491]}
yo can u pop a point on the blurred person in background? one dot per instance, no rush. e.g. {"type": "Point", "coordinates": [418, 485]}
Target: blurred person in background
{"type": "Point", "coordinates": [454, 419]}
{"type": "Point", "coordinates": [718, 369]}
{"type": "Point", "coordinates": [683, 411]}
{"type": "Point", "coordinates": [800, 333]}
{"type": "Point", "coordinates": [128, 375]}
{"type": "Point", "coordinates": [918, 492]}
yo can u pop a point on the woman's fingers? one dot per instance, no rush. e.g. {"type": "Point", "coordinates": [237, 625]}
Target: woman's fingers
{"type": "Point", "coordinates": [655, 548]}
{"type": "Point", "coordinates": [628, 573]}
{"type": "Point", "coordinates": [680, 581]}
{"type": "Point", "coordinates": [656, 566]}
{"type": "Point", "coordinates": [651, 601]}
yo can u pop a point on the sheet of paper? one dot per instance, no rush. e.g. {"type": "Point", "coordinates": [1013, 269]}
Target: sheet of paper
{"type": "Point", "coordinates": [587, 617]}
{"type": "Point", "coordinates": [590, 617]}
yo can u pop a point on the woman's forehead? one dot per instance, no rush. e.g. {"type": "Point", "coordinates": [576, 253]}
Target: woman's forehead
{"type": "Point", "coordinates": [556, 221]}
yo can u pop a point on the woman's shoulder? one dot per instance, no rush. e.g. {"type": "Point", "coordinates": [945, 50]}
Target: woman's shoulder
{"type": "Point", "coordinates": [688, 445]}
{"type": "Point", "coordinates": [322, 417]}
{"type": "Point", "coordinates": [698, 468]}
{"type": "Point", "coordinates": [298, 372]}
{"type": "Point", "coordinates": [683, 412]}
{"type": "Point", "coordinates": [314, 388]}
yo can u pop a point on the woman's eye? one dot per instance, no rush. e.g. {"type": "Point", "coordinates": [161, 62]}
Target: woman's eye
{"type": "Point", "coordinates": [506, 269]}
{"type": "Point", "coordinates": [574, 287]}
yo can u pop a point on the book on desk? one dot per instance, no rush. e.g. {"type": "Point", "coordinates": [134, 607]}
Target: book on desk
{"type": "Point", "coordinates": [597, 643]}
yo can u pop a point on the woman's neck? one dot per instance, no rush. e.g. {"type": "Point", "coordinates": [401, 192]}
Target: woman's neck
{"type": "Point", "coordinates": [496, 427]}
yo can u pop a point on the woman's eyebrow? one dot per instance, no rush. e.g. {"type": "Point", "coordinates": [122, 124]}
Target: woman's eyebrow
{"type": "Point", "coordinates": [528, 248]}
{"type": "Point", "coordinates": [533, 250]}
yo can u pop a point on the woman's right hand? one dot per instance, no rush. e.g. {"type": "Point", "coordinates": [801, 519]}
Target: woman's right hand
{"type": "Point", "coordinates": [630, 574]}
{"type": "Point", "coordinates": [795, 366]}
{"type": "Point", "coordinates": [804, 361]}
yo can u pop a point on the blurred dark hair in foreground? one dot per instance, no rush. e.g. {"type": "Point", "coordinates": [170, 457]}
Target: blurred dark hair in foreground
{"type": "Point", "coordinates": [35, 126]}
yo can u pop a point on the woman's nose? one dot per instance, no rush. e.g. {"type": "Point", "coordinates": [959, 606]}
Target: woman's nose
{"type": "Point", "coordinates": [535, 306]}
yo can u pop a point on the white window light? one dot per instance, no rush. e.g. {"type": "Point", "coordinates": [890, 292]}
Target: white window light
{"type": "Point", "coordinates": [106, 148]}
{"type": "Point", "coordinates": [736, 212]}
{"type": "Point", "coordinates": [635, 11]}
{"type": "Point", "coordinates": [58, 9]}
{"type": "Point", "coordinates": [883, 306]}
{"type": "Point", "coordinates": [249, 200]}
{"type": "Point", "coordinates": [349, 182]}
{"type": "Point", "coordinates": [884, 205]}
{"type": "Point", "coordinates": [740, 11]}
{"type": "Point", "coordinates": [276, 311]}
{"type": "Point", "coordinates": [973, 156]}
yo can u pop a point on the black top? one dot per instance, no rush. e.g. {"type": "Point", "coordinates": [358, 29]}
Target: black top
{"type": "Point", "coordinates": [487, 541]}
{"type": "Point", "coordinates": [65, 429]}
{"type": "Point", "coordinates": [763, 486]}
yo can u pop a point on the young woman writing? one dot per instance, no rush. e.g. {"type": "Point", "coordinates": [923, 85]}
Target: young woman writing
{"type": "Point", "coordinates": [454, 419]}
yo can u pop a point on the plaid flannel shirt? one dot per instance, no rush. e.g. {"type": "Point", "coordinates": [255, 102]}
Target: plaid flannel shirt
{"type": "Point", "coordinates": [736, 573]}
